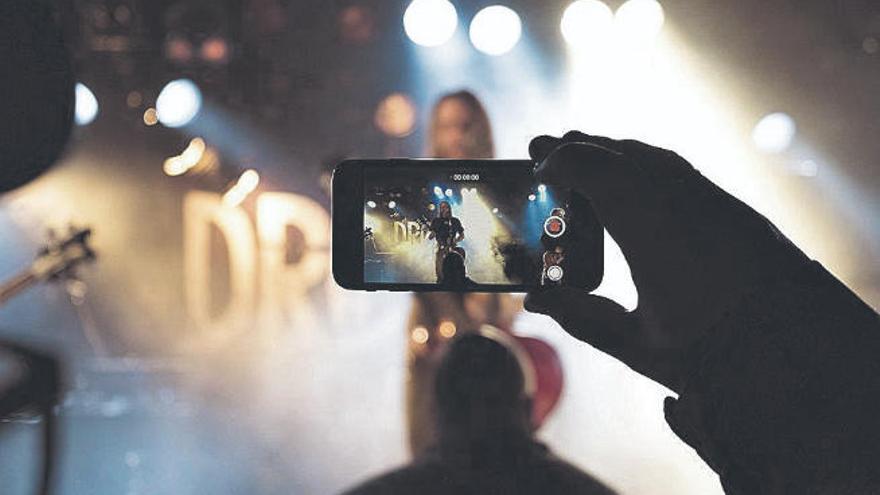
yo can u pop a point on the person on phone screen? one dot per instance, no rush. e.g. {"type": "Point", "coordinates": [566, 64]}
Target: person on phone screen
{"type": "Point", "coordinates": [448, 232]}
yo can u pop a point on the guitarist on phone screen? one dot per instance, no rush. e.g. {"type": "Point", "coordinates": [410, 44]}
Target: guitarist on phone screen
{"type": "Point", "coordinates": [449, 232]}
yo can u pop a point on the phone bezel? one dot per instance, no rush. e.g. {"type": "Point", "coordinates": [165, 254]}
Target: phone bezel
{"type": "Point", "coordinates": [348, 223]}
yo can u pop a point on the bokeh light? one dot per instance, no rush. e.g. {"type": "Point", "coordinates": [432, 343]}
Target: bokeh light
{"type": "Point", "coordinates": [774, 132]}
{"type": "Point", "coordinates": [86, 105]}
{"type": "Point", "coordinates": [495, 30]}
{"type": "Point", "coordinates": [639, 20]}
{"type": "Point", "coordinates": [586, 22]}
{"type": "Point", "coordinates": [430, 22]}
{"type": "Point", "coordinates": [178, 103]}
{"type": "Point", "coordinates": [396, 115]}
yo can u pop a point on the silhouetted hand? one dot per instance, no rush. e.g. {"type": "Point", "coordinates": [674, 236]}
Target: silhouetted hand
{"type": "Point", "coordinates": [693, 249]}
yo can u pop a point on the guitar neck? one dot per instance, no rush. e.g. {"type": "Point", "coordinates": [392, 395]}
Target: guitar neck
{"type": "Point", "coordinates": [17, 284]}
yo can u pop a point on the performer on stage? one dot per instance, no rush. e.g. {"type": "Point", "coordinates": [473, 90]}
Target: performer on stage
{"type": "Point", "coordinates": [459, 129]}
{"type": "Point", "coordinates": [448, 232]}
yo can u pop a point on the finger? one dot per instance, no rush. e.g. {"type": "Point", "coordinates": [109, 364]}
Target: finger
{"type": "Point", "coordinates": [659, 164]}
{"type": "Point", "coordinates": [541, 146]}
{"type": "Point", "coordinates": [593, 319]}
{"type": "Point", "coordinates": [625, 201]}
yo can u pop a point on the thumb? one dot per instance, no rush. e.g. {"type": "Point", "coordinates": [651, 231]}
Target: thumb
{"type": "Point", "coordinates": [596, 320]}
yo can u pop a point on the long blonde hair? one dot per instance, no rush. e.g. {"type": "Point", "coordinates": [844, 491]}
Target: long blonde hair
{"type": "Point", "coordinates": [480, 144]}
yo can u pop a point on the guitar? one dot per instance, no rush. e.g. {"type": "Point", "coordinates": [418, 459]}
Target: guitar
{"type": "Point", "coordinates": [443, 248]}
{"type": "Point", "coordinates": [54, 261]}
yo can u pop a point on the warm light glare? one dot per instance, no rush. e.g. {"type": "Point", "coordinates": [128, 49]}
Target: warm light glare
{"type": "Point", "coordinates": [774, 132]}
{"type": "Point", "coordinates": [178, 103]}
{"type": "Point", "coordinates": [245, 185]}
{"type": "Point", "coordinates": [639, 19]}
{"type": "Point", "coordinates": [495, 30]}
{"type": "Point", "coordinates": [86, 108]}
{"type": "Point", "coordinates": [419, 335]}
{"type": "Point", "coordinates": [180, 164]}
{"type": "Point", "coordinates": [150, 117]}
{"type": "Point", "coordinates": [586, 22]}
{"type": "Point", "coordinates": [447, 329]}
{"type": "Point", "coordinates": [430, 22]}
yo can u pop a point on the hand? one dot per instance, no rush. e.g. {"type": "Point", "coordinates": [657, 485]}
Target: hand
{"type": "Point", "coordinates": [694, 251]}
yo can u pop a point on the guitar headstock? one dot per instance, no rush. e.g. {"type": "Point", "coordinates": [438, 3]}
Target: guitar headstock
{"type": "Point", "coordinates": [62, 254]}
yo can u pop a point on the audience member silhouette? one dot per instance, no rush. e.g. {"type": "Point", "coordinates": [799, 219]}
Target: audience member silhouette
{"type": "Point", "coordinates": [485, 439]}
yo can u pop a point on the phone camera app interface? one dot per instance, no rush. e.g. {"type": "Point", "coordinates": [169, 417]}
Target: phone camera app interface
{"type": "Point", "coordinates": [461, 228]}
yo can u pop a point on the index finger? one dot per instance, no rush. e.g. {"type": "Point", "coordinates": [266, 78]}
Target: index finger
{"type": "Point", "coordinates": [624, 198]}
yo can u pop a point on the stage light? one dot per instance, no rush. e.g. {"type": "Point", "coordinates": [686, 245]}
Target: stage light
{"type": "Point", "coordinates": [774, 132]}
{"type": "Point", "coordinates": [430, 22]}
{"type": "Point", "coordinates": [586, 22]}
{"type": "Point", "coordinates": [438, 191]}
{"type": "Point", "coordinates": [639, 19]}
{"type": "Point", "coordinates": [86, 107]}
{"type": "Point", "coordinates": [495, 210]}
{"type": "Point", "coordinates": [542, 188]}
{"type": "Point", "coordinates": [178, 103]}
{"type": "Point", "coordinates": [532, 197]}
{"type": "Point", "coordinates": [134, 99]}
{"type": "Point", "coordinates": [371, 204]}
{"type": "Point", "coordinates": [495, 30]}
{"type": "Point", "coordinates": [449, 193]}
{"type": "Point", "coordinates": [431, 207]}
{"type": "Point", "coordinates": [392, 204]}
{"type": "Point", "coordinates": [245, 185]}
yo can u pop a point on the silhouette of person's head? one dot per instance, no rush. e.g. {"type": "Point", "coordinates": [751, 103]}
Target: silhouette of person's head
{"type": "Point", "coordinates": [481, 390]}
{"type": "Point", "coordinates": [453, 270]}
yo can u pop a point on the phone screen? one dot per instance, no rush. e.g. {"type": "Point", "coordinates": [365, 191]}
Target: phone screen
{"type": "Point", "coordinates": [462, 227]}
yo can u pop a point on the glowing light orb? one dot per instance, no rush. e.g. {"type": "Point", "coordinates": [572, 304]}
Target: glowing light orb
{"type": "Point", "coordinates": [86, 106]}
{"type": "Point", "coordinates": [774, 132]}
{"type": "Point", "coordinates": [495, 30]}
{"type": "Point", "coordinates": [178, 103]}
{"type": "Point", "coordinates": [430, 22]}
{"type": "Point", "coordinates": [586, 22]}
{"type": "Point", "coordinates": [640, 19]}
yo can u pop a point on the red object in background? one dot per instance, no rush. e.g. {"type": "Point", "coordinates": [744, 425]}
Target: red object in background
{"type": "Point", "coordinates": [548, 377]}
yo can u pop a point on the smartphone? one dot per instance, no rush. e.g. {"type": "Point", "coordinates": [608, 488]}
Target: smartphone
{"type": "Point", "coordinates": [459, 226]}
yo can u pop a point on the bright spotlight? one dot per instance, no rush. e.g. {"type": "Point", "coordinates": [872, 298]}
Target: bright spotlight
{"type": "Point", "coordinates": [542, 188]}
{"type": "Point", "coordinates": [371, 203]}
{"type": "Point", "coordinates": [86, 107]}
{"type": "Point", "coordinates": [774, 132]}
{"type": "Point", "coordinates": [495, 30]}
{"type": "Point", "coordinates": [586, 22]}
{"type": "Point", "coordinates": [494, 210]}
{"type": "Point", "coordinates": [532, 197]}
{"type": "Point", "coordinates": [438, 191]}
{"type": "Point", "coordinates": [449, 193]}
{"type": "Point", "coordinates": [430, 22]}
{"type": "Point", "coordinates": [392, 204]}
{"type": "Point", "coordinates": [640, 19]}
{"type": "Point", "coordinates": [178, 103]}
